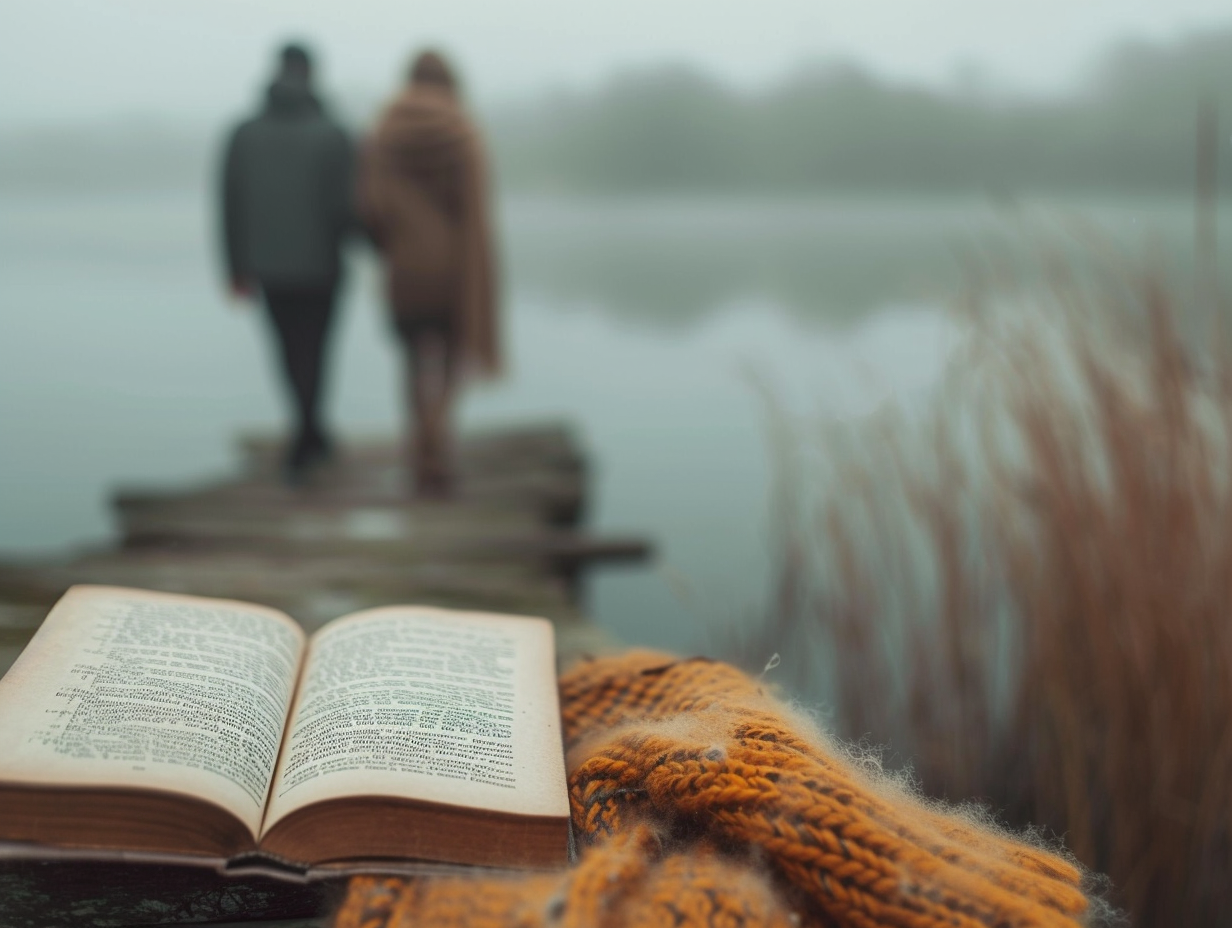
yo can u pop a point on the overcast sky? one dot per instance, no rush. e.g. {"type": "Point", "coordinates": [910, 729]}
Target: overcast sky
{"type": "Point", "coordinates": [67, 60]}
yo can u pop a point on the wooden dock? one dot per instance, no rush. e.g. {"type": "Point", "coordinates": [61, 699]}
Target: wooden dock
{"type": "Point", "coordinates": [511, 540]}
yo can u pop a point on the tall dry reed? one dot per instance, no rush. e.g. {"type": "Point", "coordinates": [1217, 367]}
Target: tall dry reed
{"type": "Point", "coordinates": [1027, 594]}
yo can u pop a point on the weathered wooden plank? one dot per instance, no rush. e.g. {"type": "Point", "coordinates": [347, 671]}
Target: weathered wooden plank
{"type": "Point", "coordinates": [386, 538]}
{"type": "Point", "coordinates": [380, 464]}
{"type": "Point", "coordinates": [312, 590]}
{"type": "Point", "coordinates": [426, 529]}
{"type": "Point", "coordinates": [73, 888]}
{"type": "Point", "coordinates": [104, 894]}
{"type": "Point", "coordinates": [555, 547]}
{"type": "Point", "coordinates": [540, 442]}
{"type": "Point", "coordinates": [540, 471]}
{"type": "Point", "coordinates": [546, 494]}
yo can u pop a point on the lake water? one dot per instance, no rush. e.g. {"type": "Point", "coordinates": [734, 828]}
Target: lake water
{"type": "Point", "coordinates": [641, 322]}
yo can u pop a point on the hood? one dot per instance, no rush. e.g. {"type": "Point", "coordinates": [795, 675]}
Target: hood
{"type": "Point", "coordinates": [424, 129]}
{"type": "Point", "coordinates": [291, 98]}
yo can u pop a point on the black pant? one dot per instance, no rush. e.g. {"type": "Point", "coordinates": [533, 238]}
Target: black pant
{"type": "Point", "coordinates": [301, 317]}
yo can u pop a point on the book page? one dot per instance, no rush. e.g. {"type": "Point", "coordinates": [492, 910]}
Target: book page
{"type": "Point", "coordinates": [427, 704]}
{"type": "Point", "coordinates": [128, 688]}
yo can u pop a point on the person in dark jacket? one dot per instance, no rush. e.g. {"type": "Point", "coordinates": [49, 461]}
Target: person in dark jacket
{"type": "Point", "coordinates": [286, 205]}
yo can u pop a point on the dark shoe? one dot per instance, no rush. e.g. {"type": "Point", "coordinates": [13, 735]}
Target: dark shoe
{"type": "Point", "coordinates": [433, 479]}
{"type": "Point", "coordinates": [434, 486]}
{"type": "Point", "coordinates": [307, 453]}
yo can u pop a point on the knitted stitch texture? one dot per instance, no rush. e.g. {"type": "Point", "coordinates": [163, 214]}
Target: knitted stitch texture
{"type": "Point", "coordinates": [698, 800]}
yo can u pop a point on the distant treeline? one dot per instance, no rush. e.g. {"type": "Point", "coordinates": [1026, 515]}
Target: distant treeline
{"type": "Point", "coordinates": [1130, 127]}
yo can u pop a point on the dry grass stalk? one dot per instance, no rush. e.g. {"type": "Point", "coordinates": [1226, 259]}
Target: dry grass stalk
{"type": "Point", "coordinates": [1034, 606]}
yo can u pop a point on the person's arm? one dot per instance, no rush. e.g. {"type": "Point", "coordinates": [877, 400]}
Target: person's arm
{"type": "Point", "coordinates": [239, 278]}
{"type": "Point", "coordinates": [367, 196]}
{"type": "Point", "coordinates": [342, 207]}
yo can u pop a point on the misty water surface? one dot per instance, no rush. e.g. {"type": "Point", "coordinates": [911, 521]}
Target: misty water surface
{"type": "Point", "coordinates": [638, 321]}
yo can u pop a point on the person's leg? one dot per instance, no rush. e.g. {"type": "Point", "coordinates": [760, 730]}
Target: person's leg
{"type": "Point", "coordinates": [301, 319]}
{"type": "Point", "coordinates": [282, 305]}
{"type": "Point", "coordinates": [444, 408]}
{"type": "Point", "coordinates": [315, 325]}
{"type": "Point", "coordinates": [414, 395]}
{"type": "Point", "coordinates": [430, 385]}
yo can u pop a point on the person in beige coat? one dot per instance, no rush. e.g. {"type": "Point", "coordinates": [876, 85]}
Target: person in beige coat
{"type": "Point", "coordinates": [423, 199]}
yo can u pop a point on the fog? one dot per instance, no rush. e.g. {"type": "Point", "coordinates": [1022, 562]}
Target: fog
{"type": "Point", "coordinates": [1126, 126]}
{"type": "Point", "coordinates": [197, 61]}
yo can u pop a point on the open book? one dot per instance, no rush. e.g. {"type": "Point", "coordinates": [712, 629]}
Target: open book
{"type": "Point", "coordinates": [153, 722]}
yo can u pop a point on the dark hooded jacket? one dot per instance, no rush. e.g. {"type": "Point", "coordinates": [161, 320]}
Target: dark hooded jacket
{"type": "Point", "coordinates": [287, 186]}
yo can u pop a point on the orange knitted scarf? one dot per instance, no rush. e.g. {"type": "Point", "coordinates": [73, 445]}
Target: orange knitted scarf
{"type": "Point", "coordinates": [698, 800]}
